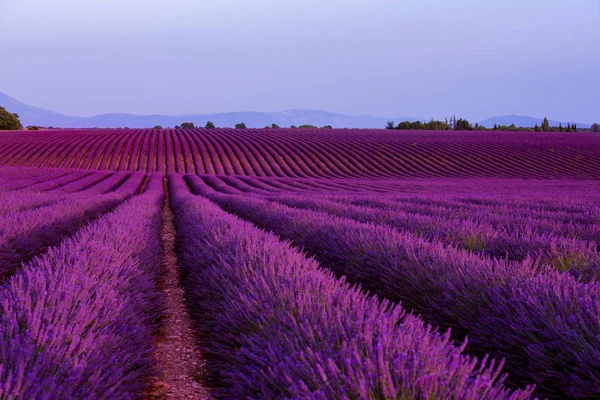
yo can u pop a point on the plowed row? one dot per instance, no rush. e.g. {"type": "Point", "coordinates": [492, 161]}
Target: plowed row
{"type": "Point", "coordinates": [309, 153]}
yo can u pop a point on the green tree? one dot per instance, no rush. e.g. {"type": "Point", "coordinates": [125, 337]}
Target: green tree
{"type": "Point", "coordinates": [158, 127]}
{"type": "Point", "coordinates": [9, 121]}
{"type": "Point", "coordinates": [495, 127]}
{"type": "Point", "coordinates": [33, 128]}
{"type": "Point", "coordinates": [462, 125]}
{"type": "Point", "coordinates": [209, 125]}
{"type": "Point", "coordinates": [404, 125]}
{"type": "Point", "coordinates": [595, 127]}
{"type": "Point", "coordinates": [275, 126]}
{"type": "Point", "coordinates": [327, 127]}
{"type": "Point", "coordinates": [187, 125]}
{"type": "Point", "coordinates": [537, 128]}
{"type": "Point", "coordinates": [546, 125]}
{"type": "Point", "coordinates": [390, 125]}
{"type": "Point", "coordinates": [574, 127]}
{"type": "Point", "coordinates": [241, 125]}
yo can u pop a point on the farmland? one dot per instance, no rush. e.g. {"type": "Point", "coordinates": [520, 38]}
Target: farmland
{"type": "Point", "coordinates": [312, 263]}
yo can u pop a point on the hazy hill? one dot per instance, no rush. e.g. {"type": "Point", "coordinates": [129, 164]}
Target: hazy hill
{"type": "Point", "coordinates": [31, 115]}
{"type": "Point", "coordinates": [38, 116]}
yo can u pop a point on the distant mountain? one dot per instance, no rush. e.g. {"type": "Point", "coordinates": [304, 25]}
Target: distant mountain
{"type": "Point", "coordinates": [30, 115]}
{"type": "Point", "coordinates": [524, 121]}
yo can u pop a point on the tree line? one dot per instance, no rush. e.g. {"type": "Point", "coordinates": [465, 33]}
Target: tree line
{"type": "Point", "coordinates": [464, 125]}
{"type": "Point", "coordinates": [242, 125]}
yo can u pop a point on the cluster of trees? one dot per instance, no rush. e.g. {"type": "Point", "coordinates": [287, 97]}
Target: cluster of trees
{"type": "Point", "coordinates": [311, 127]}
{"type": "Point", "coordinates": [9, 121]}
{"type": "Point", "coordinates": [464, 125]}
{"type": "Point", "coordinates": [433, 125]}
{"type": "Point", "coordinates": [547, 128]}
{"type": "Point", "coordinates": [191, 125]}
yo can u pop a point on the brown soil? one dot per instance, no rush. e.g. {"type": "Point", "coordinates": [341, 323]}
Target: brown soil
{"type": "Point", "coordinates": [180, 363]}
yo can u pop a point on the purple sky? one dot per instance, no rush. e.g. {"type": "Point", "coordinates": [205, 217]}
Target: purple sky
{"type": "Point", "coordinates": [419, 58]}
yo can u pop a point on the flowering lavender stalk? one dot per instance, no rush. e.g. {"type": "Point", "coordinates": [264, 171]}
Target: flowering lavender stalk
{"type": "Point", "coordinates": [545, 323]}
{"type": "Point", "coordinates": [24, 234]}
{"type": "Point", "coordinates": [579, 258]}
{"type": "Point", "coordinates": [275, 325]}
{"type": "Point", "coordinates": [78, 322]}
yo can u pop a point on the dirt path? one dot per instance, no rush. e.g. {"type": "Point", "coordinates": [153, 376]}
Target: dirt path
{"type": "Point", "coordinates": [176, 353]}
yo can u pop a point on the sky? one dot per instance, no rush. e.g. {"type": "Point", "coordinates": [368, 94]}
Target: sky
{"type": "Point", "coordinates": [389, 58]}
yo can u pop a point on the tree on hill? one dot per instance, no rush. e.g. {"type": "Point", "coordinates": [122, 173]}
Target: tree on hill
{"type": "Point", "coordinates": [546, 125]}
{"type": "Point", "coordinates": [158, 127]}
{"type": "Point", "coordinates": [274, 126]}
{"type": "Point", "coordinates": [241, 125]}
{"type": "Point", "coordinates": [306, 126]}
{"type": "Point", "coordinates": [595, 127]}
{"type": "Point", "coordinates": [210, 125]}
{"type": "Point", "coordinates": [9, 121]}
{"type": "Point", "coordinates": [187, 125]}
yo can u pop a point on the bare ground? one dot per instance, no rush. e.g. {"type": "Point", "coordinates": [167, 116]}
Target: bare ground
{"type": "Point", "coordinates": [179, 361]}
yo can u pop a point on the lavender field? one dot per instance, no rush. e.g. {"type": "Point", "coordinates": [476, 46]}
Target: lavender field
{"type": "Point", "coordinates": [321, 264]}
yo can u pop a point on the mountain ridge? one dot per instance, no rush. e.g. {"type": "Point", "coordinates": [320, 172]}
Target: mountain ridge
{"type": "Point", "coordinates": [31, 115]}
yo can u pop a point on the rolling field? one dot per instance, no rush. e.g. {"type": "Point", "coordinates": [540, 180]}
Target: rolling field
{"type": "Point", "coordinates": [309, 153]}
{"type": "Point", "coordinates": [321, 264]}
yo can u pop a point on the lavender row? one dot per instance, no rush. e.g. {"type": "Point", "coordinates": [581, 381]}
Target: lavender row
{"type": "Point", "coordinates": [584, 226]}
{"type": "Point", "coordinates": [579, 258]}
{"type": "Point", "coordinates": [505, 216]}
{"type": "Point", "coordinates": [545, 323]}
{"type": "Point", "coordinates": [51, 184]}
{"type": "Point", "coordinates": [78, 322]}
{"type": "Point", "coordinates": [112, 183]}
{"type": "Point", "coordinates": [281, 327]}
{"type": "Point", "coordinates": [24, 234]}
{"type": "Point", "coordinates": [18, 179]}
{"type": "Point", "coordinates": [84, 183]}
{"type": "Point", "coordinates": [15, 202]}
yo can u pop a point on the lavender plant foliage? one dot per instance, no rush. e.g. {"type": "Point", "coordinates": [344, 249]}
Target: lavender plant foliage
{"type": "Point", "coordinates": [78, 322]}
{"type": "Point", "coordinates": [275, 325]}
{"type": "Point", "coordinates": [24, 234]}
{"type": "Point", "coordinates": [545, 323]}
{"type": "Point", "coordinates": [580, 258]}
